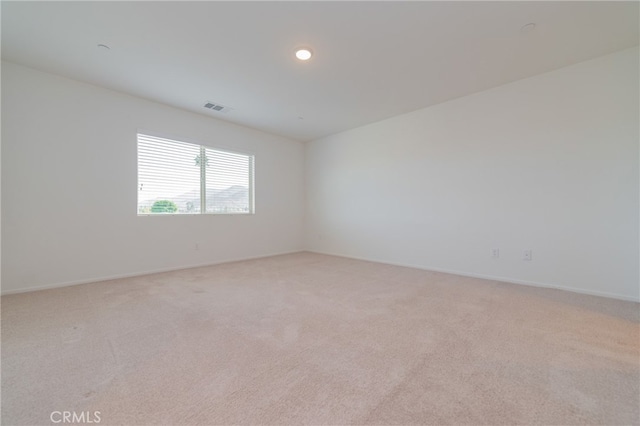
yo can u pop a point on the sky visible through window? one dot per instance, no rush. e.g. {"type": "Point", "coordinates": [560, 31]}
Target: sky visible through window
{"type": "Point", "coordinates": [170, 170]}
{"type": "Point", "coordinates": [187, 178]}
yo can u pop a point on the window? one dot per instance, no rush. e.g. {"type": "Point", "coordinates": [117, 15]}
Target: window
{"type": "Point", "coordinates": [182, 178]}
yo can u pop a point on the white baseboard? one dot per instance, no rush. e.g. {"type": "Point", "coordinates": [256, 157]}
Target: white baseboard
{"type": "Point", "coordinates": [138, 274]}
{"type": "Point", "coordinates": [426, 268]}
{"type": "Point", "coordinates": [489, 277]}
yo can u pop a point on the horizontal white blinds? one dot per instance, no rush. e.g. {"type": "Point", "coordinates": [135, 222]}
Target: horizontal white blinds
{"type": "Point", "coordinates": [182, 178]}
{"type": "Point", "coordinates": [228, 180]}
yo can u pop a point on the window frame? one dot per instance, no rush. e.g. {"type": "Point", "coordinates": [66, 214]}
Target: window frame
{"type": "Point", "coordinates": [203, 186]}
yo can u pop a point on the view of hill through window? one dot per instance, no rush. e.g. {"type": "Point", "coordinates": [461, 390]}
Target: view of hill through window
{"type": "Point", "coordinates": [182, 178]}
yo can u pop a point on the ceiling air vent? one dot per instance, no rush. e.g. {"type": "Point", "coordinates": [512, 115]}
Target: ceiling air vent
{"type": "Point", "coordinates": [217, 107]}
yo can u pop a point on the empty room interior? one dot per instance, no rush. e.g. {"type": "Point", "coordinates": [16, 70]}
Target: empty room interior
{"type": "Point", "coordinates": [327, 213]}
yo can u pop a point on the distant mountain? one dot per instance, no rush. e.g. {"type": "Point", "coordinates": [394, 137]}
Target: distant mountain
{"type": "Point", "coordinates": [234, 199]}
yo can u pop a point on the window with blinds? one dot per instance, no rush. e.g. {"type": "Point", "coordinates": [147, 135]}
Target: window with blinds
{"type": "Point", "coordinates": [177, 177]}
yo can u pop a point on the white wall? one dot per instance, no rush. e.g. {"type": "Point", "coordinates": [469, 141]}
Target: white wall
{"type": "Point", "coordinates": [69, 177]}
{"type": "Point", "coordinates": [549, 163]}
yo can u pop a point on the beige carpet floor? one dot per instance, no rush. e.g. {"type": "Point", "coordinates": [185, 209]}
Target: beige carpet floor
{"type": "Point", "coordinates": [314, 339]}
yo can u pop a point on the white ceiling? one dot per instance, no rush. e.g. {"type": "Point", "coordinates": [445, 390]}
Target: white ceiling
{"type": "Point", "coordinates": [373, 60]}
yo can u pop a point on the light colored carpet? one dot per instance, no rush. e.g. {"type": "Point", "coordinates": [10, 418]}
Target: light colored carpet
{"type": "Point", "coordinates": [314, 339]}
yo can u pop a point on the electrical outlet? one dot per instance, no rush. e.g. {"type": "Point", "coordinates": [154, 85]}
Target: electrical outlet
{"type": "Point", "coordinates": [526, 255]}
{"type": "Point", "coordinates": [495, 253]}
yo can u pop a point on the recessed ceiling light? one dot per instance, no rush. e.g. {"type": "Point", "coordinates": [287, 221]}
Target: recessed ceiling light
{"type": "Point", "coordinates": [528, 28]}
{"type": "Point", "coordinates": [304, 54]}
{"type": "Point", "coordinates": [104, 47]}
